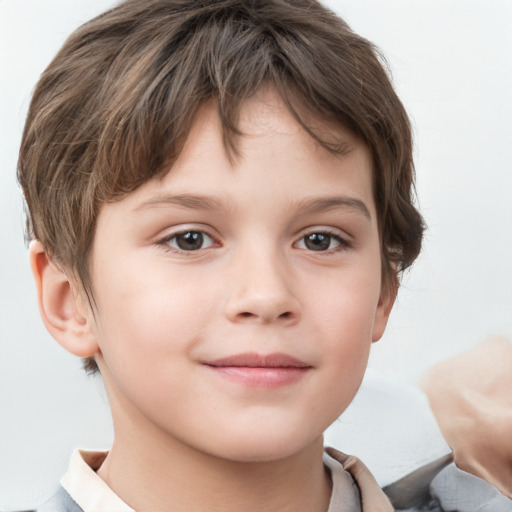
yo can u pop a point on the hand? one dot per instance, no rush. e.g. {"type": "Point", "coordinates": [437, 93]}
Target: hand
{"type": "Point", "coordinates": [471, 397]}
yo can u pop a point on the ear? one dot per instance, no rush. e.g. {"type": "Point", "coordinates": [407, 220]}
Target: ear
{"type": "Point", "coordinates": [63, 314]}
{"type": "Point", "coordinates": [384, 307]}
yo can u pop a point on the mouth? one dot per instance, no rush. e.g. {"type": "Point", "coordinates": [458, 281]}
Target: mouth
{"type": "Point", "coordinates": [263, 371]}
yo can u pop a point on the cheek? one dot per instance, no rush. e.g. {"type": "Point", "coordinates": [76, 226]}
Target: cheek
{"type": "Point", "coordinates": [147, 314]}
{"type": "Point", "coordinates": [147, 327]}
{"type": "Point", "coordinates": [141, 313]}
{"type": "Point", "coordinates": [342, 314]}
{"type": "Point", "coordinates": [344, 304]}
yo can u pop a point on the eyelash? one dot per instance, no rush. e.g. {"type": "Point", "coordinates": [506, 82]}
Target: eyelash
{"type": "Point", "coordinates": [167, 241]}
{"type": "Point", "coordinates": [342, 243]}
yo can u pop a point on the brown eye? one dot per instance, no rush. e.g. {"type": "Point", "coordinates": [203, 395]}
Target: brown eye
{"type": "Point", "coordinates": [318, 242]}
{"type": "Point", "coordinates": [189, 241]}
{"type": "Point", "coordinates": [322, 242]}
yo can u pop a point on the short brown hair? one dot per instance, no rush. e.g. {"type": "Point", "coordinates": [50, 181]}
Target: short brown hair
{"type": "Point", "coordinates": [116, 104]}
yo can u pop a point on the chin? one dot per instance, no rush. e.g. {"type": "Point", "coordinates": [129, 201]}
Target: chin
{"type": "Point", "coordinates": [264, 446]}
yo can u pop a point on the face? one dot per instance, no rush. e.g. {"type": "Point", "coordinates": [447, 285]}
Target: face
{"type": "Point", "coordinates": [237, 302]}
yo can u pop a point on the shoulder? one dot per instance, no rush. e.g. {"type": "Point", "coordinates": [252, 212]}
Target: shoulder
{"type": "Point", "coordinates": [441, 486]}
{"type": "Point", "coordinates": [59, 502]}
{"type": "Point", "coordinates": [413, 491]}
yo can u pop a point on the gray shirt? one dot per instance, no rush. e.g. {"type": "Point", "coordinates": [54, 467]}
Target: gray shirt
{"type": "Point", "coordinates": [437, 487]}
{"type": "Point", "coordinates": [442, 487]}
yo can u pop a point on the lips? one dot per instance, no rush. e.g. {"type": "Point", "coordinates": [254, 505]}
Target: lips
{"type": "Point", "coordinates": [256, 370]}
{"type": "Point", "coordinates": [253, 360]}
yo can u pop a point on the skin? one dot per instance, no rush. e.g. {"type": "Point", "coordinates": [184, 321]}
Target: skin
{"type": "Point", "coordinates": [257, 284]}
{"type": "Point", "coordinates": [470, 397]}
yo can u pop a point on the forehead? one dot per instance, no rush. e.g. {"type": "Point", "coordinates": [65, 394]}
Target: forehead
{"type": "Point", "coordinates": [276, 161]}
{"type": "Point", "coordinates": [266, 110]}
{"type": "Point", "coordinates": [271, 135]}
{"type": "Point", "coordinates": [265, 113]}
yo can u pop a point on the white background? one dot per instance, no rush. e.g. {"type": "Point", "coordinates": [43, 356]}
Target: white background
{"type": "Point", "coordinates": [452, 66]}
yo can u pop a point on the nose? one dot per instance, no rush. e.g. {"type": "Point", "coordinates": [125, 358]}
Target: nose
{"type": "Point", "coordinates": [261, 289]}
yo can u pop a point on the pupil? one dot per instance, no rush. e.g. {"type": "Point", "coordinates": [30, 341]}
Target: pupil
{"type": "Point", "coordinates": [190, 241]}
{"type": "Point", "coordinates": [318, 242]}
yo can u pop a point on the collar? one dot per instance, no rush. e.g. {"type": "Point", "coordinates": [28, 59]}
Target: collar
{"type": "Point", "coordinates": [86, 488]}
{"type": "Point", "coordinates": [352, 484]}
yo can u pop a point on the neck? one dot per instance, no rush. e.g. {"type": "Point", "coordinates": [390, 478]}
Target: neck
{"type": "Point", "coordinates": [149, 469]}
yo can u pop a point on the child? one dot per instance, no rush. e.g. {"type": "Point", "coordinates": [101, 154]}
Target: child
{"type": "Point", "coordinates": [220, 198]}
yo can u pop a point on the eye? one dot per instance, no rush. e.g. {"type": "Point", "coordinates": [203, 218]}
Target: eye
{"type": "Point", "coordinates": [188, 241]}
{"type": "Point", "coordinates": [321, 242]}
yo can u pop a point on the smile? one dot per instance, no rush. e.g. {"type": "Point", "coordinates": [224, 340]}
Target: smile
{"type": "Point", "coordinates": [263, 371]}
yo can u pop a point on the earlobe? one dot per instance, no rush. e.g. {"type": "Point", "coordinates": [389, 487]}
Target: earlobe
{"type": "Point", "coordinates": [384, 307]}
{"type": "Point", "coordinates": [59, 305]}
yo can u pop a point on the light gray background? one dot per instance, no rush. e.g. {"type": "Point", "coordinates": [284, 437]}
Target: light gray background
{"type": "Point", "coordinates": [452, 66]}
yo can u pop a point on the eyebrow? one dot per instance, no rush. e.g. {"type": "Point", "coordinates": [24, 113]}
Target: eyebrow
{"type": "Point", "coordinates": [309, 205]}
{"type": "Point", "coordinates": [325, 204]}
{"type": "Point", "coordinates": [190, 202]}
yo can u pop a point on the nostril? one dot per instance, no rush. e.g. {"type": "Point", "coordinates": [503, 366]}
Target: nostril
{"type": "Point", "coordinates": [248, 314]}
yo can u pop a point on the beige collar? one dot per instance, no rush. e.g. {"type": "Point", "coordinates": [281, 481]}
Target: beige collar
{"type": "Point", "coordinates": [86, 488]}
